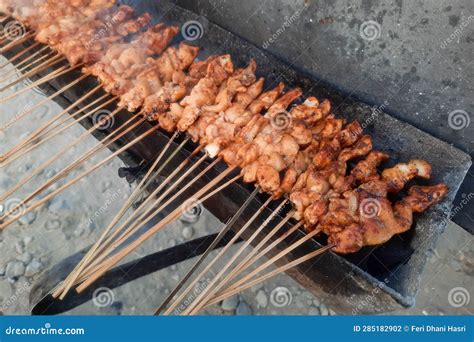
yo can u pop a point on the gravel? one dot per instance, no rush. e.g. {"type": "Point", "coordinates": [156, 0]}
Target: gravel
{"type": "Point", "coordinates": [456, 265]}
{"type": "Point", "coordinates": [25, 258]}
{"type": "Point", "coordinates": [15, 269]}
{"type": "Point", "coordinates": [243, 309]}
{"type": "Point", "coordinates": [324, 310]}
{"type": "Point", "coordinates": [49, 173]}
{"type": "Point", "coordinates": [316, 302]}
{"type": "Point", "coordinates": [19, 247]}
{"type": "Point", "coordinates": [188, 232]}
{"type": "Point", "coordinates": [27, 240]}
{"type": "Point", "coordinates": [27, 219]}
{"type": "Point", "coordinates": [33, 268]}
{"type": "Point", "coordinates": [6, 291]}
{"type": "Point", "coordinates": [261, 298]}
{"type": "Point", "coordinates": [52, 224]}
{"type": "Point", "coordinates": [58, 205]}
{"type": "Point", "coordinates": [230, 304]}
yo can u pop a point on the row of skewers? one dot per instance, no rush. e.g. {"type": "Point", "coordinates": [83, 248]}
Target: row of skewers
{"type": "Point", "coordinates": [297, 152]}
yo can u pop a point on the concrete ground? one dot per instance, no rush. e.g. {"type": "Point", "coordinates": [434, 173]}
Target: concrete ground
{"type": "Point", "coordinates": [76, 217]}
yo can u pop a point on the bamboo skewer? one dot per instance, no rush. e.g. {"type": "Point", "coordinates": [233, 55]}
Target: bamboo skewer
{"type": "Point", "coordinates": [199, 195]}
{"type": "Point", "coordinates": [209, 291]}
{"type": "Point", "coordinates": [271, 274]}
{"type": "Point", "coordinates": [219, 255]}
{"type": "Point", "coordinates": [58, 72]}
{"type": "Point", "coordinates": [69, 281]}
{"type": "Point", "coordinates": [144, 203]}
{"type": "Point", "coordinates": [51, 132]}
{"type": "Point", "coordinates": [271, 261]}
{"type": "Point", "coordinates": [94, 266]}
{"type": "Point", "coordinates": [63, 173]}
{"type": "Point", "coordinates": [48, 131]}
{"type": "Point", "coordinates": [209, 249]}
{"type": "Point", "coordinates": [143, 219]}
{"type": "Point", "coordinates": [77, 178]}
{"type": "Point", "coordinates": [43, 66]}
{"type": "Point", "coordinates": [26, 76]}
{"type": "Point", "coordinates": [48, 162]}
{"type": "Point", "coordinates": [248, 260]}
{"type": "Point", "coordinates": [19, 54]}
{"type": "Point", "coordinates": [36, 69]}
{"type": "Point", "coordinates": [24, 65]}
{"type": "Point", "coordinates": [7, 34]}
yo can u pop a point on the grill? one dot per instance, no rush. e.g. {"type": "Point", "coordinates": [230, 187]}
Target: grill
{"type": "Point", "coordinates": [388, 274]}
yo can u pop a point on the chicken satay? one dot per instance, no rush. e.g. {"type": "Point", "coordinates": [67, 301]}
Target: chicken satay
{"type": "Point", "coordinates": [123, 62]}
{"type": "Point", "coordinates": [163, 106]}
{"type": "Point", "coordinates": [366, 169]}
{"type": "Point", "coordinates": [283, 102]}
{"type": "Point", "coordinates": [380, 222]}
{"type": "Point", "coordinates": [273, 149]}
{"type": "Point", "coordinates": [89, 46]}
{"type": "Point", "coordinates": [397, 176]}
{"type": "Point", "coordinates": [34, 12]}
{"type": "Point", "coordinates": [214, 127]}
{"type": "Point", "coordinates": [251, 127]}
{"type": "Point", "coordinates": [327, 175]}
{"type": "Point", "coordinates": [308, 114]}
{"type": "Point", "coordinates": [221, 131]}
{"type": "Point", "coordinates": [170, 65]}
{"type": "Point", "coordinates": [157, 104]}
{"type": "Point", "coordinates": [205, 91]}
{"type": "Point", "coordinates": [367, 209]}
{"type": "Point", "coordinates": [62, 32]}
